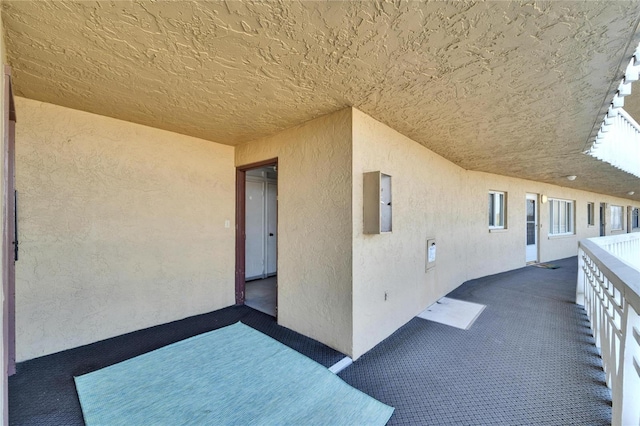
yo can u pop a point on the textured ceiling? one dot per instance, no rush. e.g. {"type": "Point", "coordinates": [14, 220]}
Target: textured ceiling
{"type": "Point", "coordinates": [513, 88]}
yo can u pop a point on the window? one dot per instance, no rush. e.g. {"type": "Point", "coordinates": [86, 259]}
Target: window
{"type": "Point", "coordinates": [497, 210]}
{"type": "Point", "coordinates": [617, 218]}
{"type": "Point", "coordinates": [560, 217]}
{"type": "Point", "coordinates": [591, 221]}
{"type": "Point", "coordinates": [635, 222]}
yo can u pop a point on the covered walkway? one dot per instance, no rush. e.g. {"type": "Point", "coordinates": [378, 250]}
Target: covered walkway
{"type": "Point", "coordinates": [528, 359]}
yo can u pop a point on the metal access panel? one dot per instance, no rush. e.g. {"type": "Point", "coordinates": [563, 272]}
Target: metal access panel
{"type": "Point", "coordinates": [385, 203]}
{"type": "Point", "coordinates": [377, 204]}
{"type": "Point", "coordinates": [431, 253]}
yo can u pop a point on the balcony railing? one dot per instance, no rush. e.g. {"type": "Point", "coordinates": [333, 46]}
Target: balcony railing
{"type": "Point", "coordinates": [618, 142]}
{"type": "Point", "coordinates": [609, 289]}
{"type": "Point", "coordinates": [625, 247]}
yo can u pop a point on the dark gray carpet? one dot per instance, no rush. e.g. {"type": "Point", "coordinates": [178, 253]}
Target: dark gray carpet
{"type": "Point", "coordinates": [528, 359]}
{"type": "Point", "coordinates": [42, 392]}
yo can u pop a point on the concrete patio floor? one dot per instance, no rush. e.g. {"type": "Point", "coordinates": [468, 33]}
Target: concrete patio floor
{"type": "Point", "coordinates": [528, 359]}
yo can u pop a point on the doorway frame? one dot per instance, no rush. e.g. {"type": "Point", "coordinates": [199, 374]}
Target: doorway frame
{"type": "Point", "coordinates": [9, 238]}
{"type": "Point", "coordinates": [536, 198]}
{"type": "Point", "coordinates": [241, 181]}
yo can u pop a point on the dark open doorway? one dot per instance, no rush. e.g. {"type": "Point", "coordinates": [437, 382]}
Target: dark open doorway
{"type": "Point", "coordinates": [256, 236]}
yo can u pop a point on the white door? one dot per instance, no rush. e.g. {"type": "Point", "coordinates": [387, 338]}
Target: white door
{"type": "Point", "coordinates": [254, 229]}
{"type": "Point", "coordinates": [532, 227]}
{"type": "Point", "coordinates": [272, 228]}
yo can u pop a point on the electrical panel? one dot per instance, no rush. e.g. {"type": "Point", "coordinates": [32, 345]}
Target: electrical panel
{"type": "Point", "coordinates": [378, 211]}
{"type": "Point", "coordinates": [431, 253]}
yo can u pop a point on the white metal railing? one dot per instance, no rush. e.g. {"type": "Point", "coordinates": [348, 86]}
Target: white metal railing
{"type": "Point", "coordinates": [618, 142]}
{"type": "Point", "coordinates": [625, 247]}
{"type": "Point", "coordinates": [609, 289]}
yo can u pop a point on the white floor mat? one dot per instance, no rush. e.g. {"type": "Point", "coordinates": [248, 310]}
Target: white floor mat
{"type": "Point", "coordinates": [453, 312]}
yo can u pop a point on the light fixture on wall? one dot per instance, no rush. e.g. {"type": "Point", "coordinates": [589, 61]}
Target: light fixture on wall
{"type": "Point", "coordinates": [572, 177]}
{"type": "Point", "coordinates": [544, 199]}
{"type": "Point", "coordinates": [631, 192]}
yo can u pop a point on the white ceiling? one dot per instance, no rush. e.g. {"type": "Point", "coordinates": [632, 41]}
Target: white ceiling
{"type": "Point", "coordinates": [513, 88]}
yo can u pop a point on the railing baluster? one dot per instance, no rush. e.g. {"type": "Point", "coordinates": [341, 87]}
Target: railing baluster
{"type": "Point", "coordinates": [620, 144]}
{"type": "Point", "coordinates": [631, 382]}
{"type": "Point", "coordinates": [609, 290]}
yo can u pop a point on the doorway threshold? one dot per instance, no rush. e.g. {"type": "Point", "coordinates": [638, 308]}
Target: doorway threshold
{"type": "Point", "coordinates": [261, 295]}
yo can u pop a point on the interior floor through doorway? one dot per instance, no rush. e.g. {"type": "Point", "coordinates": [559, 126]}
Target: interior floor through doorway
{"type": "Point", "coordinates": [261, 295]}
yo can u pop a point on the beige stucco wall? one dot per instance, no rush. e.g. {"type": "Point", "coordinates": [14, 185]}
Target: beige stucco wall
{"type": "Point", "coordinates": [433, 198]}
{"type": "Point", "coordinates": [426, 193]}
{"type": "Point", "coordinates": [492, 252]}
{"type": "Point", "coordinates": [122, 227]}
{"type": "Point", "coordinates": [314, 225]}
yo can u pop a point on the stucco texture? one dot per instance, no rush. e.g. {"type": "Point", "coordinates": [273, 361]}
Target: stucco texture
{"type": "Point", "coordinates": [434, 198]}
{"type": "Point", "coordinates": [122, 227]}
{"type": "Point", "coordinates": [314, 225]}
{"type": "Point", "coordinates": [505, 87]}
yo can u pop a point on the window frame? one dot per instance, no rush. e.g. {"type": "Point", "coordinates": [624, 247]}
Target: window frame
{"type": "Point", "coordinates": [635, 218]}
{"type": "Point", "coordinates": [620, 217]}
{"type": "Point", "coordinates": [501, 206]}
{"type": "Point", "coordinates": [591, 214]}
{"type": "Point", "coordinates": [569, 217]}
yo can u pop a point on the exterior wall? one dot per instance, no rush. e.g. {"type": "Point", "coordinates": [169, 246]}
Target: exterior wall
{"type": "Point", "coordinates": [427, 191]}
{"type": "Point", "coordinates": [121, 227]}
{"type": "Point", "coordinates": [433, 198]}
{"type": "Point", "coordinates": [512, 240]}
{"type": "Point", "coordinates": [314, 225]}
{"type": "Point", "coordinates": [564, 246]}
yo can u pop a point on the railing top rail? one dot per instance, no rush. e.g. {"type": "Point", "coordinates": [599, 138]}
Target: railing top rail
{"type": "Point", "coordinates": [612, 239]}
{"type": "Point", "coordinates": [623, 277]}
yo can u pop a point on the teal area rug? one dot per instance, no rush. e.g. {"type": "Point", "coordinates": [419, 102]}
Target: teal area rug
{"type": "Point", "coordinates": [231, 376]}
